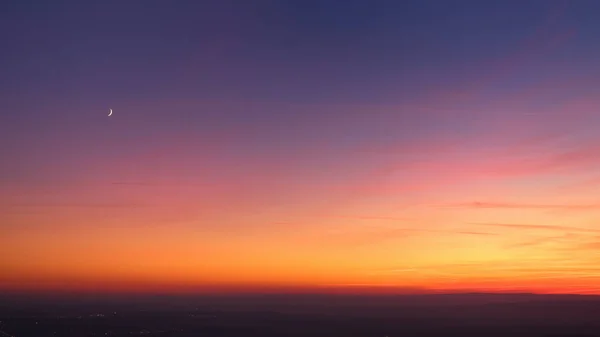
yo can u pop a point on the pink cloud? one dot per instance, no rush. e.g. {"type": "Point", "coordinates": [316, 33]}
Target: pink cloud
{"type": "Point", "coordinates": [582, 185]}
{"type": "Point", "coordinates": [450, 164]}
{"type": "Point", "coordinates": [528, 206]}
{"type": "Point", "coordinates": [541, 227]}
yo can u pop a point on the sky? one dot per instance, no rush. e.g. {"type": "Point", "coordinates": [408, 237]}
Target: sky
{"type": "Point", "coordinates": [431, 145]}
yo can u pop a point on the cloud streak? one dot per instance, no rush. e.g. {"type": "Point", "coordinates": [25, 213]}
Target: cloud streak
{"type": "Point", "coordinates": [539, 227]}
{"type": "Point", "coordinates": [372, 235]}
{"type": "Point", "coordinates": [79, 205]}
{"type": "Point", "coordinates": [439, 163]}
{"type": "Point", "coordinates": [509, 205]}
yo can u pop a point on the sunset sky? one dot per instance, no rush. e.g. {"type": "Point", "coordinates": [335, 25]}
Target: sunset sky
{"type": "Point", "coordinates": [302, 144]}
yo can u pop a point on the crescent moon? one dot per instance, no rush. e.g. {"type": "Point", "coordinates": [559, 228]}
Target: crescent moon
{"type": "Point", "coordinates": [110, 113]}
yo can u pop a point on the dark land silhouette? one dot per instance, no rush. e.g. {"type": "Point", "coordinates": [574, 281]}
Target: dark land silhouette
{"type": "Point", "coordinates": [472, 314]}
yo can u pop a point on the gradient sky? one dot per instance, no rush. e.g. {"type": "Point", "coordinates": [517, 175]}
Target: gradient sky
{"type": "Point", "coordinates": [317, 144]}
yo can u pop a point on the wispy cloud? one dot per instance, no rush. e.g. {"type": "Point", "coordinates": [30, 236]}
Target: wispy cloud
{"type": "Point", "coordinates": [78, 205]}
{"type": "Point", "coordinates": [524, 268]}
{"type": "Point", "coordinates": [560, 239]}
{"type": "Point", "coordinates": [133, 183]}
{"type": "Point", "coordinates": [475, 233]}
{"type": "Point", "coordinates": [524, 162]}
{"type": "Point", "coordinates": [454, 232]}
{"type": "Point", "coordinates": [511, 205]}
{"type": "Point", "coordinates": [370, 235]}
{"type": "Point", "coordinates": [540, 227]}
{"type": "Point", "coordinates": [525, 157]}
{"type": "Point", "coordinates": [360, 217]}
{"type": "Point", "coordinates": [582, 185]}
{"type": "Point", "coordinates": [367, 236]}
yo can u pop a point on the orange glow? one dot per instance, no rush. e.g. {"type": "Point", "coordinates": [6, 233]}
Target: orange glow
{"type": "Point", "coordinates": [285, 147]}
{"type": "Point", "coordinates": [519, 216]}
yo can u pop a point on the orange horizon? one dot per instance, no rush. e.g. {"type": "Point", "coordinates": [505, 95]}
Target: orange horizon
{"type": "Point", "coordinates": [287, 148]}
{"type": "Point", "coordinates": [521, 215]}
{"type": "Point", "coordinates": [150, 288]}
